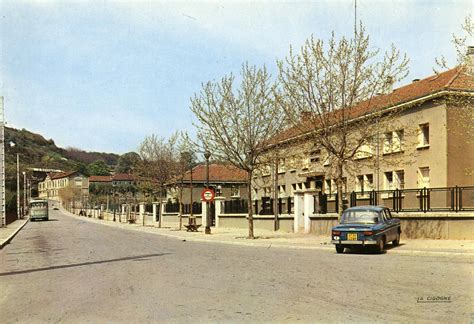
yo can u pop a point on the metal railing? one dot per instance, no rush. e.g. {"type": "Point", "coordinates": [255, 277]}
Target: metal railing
{"type": "Point", "coordinates": [265, 206]}
{"type": "Point", "coordinates": [448, 199]}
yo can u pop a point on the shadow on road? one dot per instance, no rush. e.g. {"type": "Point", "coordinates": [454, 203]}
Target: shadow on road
{"type": "Point", "coordinates": [134, 258]}
{"type": "Point", "coordinates": [369, 251]}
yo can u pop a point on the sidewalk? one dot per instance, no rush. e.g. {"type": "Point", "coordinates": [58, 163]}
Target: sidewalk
{"type": "Point", "coordinates": [9, 232]}
{"type": "Point", "coordinates": [268, 239]}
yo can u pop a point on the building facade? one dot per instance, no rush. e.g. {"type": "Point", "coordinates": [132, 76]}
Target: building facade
{"type": "Point", "coordinates": [428, 142]}
{"type": "Point", "coordinates": [56, 184]}
{"type": "Point", "coordinates": [226, 181]}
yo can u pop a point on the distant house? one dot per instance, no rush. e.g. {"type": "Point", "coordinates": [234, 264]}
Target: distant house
{"type": "Point", "coordinates": [115, 179]}
{"type": "Point", "coordinates": [50, 187]}
{"type": "Point", "coordinates": [226, 180]}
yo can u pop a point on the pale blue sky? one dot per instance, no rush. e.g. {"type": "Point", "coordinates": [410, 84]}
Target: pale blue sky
{"type": "Point", "coordinates": [102, 75]}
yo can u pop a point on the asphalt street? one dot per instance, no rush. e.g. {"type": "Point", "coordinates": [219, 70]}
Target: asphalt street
{"type": "Point", "coordinates": [73, 271]}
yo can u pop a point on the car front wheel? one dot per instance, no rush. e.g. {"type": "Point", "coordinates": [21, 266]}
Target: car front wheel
{"type": "Point", "coordinates": [396, 241]}
{"type": "Point", "coordinates": [339, 248]}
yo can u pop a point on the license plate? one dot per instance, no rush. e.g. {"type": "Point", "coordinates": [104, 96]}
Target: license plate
{"type": "Point", "coordinates": [352, 236]}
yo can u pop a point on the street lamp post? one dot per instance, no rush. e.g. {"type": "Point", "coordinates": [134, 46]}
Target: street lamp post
{"type": "Point", "coordinates": [207, 155]}
{"type": "Point", "coordinates": [18, 207]}
{"type": "Point", "coordinates": [24, 193]}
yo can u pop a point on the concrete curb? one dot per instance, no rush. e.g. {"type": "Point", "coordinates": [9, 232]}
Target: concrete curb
{"type": "Point", "coordinates": [263, 244]}
{"type": "Point", "coordinates": [8, 239]}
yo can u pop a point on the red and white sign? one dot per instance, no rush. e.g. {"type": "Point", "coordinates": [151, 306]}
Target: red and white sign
{"type": "Point", "coordinates": [208, 195]}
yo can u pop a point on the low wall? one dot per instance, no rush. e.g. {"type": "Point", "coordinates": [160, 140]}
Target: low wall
{"type": "Point", "coordinates": [119, 217]}
{"type": "Point", "coordinates": [452, 226]}
{"type": "Point", "coordinates": [172, 220]}
{"type": "Point", "coordinates": [259, 221]}
{"type": "Point", "coordinates": [447, 226]}
{"type": "Point", "coordinates": [323, 223]}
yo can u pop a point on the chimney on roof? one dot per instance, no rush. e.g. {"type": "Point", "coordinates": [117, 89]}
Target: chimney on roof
{"type": "Point", "coordinates": [415, 80]}
{"type": "Point", "coordinates": [388, 88]}
{"type": "Point", "coordinates": [470, 60]}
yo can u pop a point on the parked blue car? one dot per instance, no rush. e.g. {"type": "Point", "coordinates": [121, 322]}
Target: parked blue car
{"type": "Point", "coordinates": [366, 226]}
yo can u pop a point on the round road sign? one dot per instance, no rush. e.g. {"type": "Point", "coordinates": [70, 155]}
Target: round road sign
{"type": "Point", "coordinates": [207, 195]}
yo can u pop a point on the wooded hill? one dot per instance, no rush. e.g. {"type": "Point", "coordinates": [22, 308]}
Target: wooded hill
{"type": "Point", "coordinates": [36, 151]}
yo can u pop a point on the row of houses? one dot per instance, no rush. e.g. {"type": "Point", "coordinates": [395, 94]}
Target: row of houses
{"type": "Point", "coordinates": [429, 144]}
{"type": "Point", "coordinates": [226, 180]}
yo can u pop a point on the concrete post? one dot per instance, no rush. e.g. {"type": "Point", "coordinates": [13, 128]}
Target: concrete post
{"type": "Point", "coordinates": [155, 211]}
{"type": "Point", "coordinates": [298, 211]}
{"type": "Point", "coordinates": [309, 207]}
{"type": "Point", "coordinates": [163, 210]}
{"type": "Point", "coordinates": [204, 213]}
{"type": "Point", "coordinates": [218, 201]}
{"type": "Point", "coordinates": [141, 212]}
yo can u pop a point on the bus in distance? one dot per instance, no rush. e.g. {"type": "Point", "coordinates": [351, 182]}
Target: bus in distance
{"type": "Point", "coordinates": [38, 210]}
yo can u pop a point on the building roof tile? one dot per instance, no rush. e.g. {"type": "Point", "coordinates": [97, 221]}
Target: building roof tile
{"type": "Point", "coordinates": [218, 173]}
{"type": "Point", "coordinates": [455, 80]}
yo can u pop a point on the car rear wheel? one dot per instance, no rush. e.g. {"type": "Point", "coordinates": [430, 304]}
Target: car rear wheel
{"type": "Point", "coordinates": [339, 248]}
{"type": "Point", "coordinates": [396, 241]}
{"type": "Point", "coordinates": [380, 247]}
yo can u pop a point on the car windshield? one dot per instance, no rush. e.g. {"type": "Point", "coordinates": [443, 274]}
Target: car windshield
{"type": "Point", "coordinates": [359, 217]}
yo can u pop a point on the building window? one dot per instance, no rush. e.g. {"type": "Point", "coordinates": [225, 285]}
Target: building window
{"type": "Point", "coordinates": [360, 183]}
{"type": "Point", "coordinates": [266, 192]}
{"type": "Point", "coordinates": [424, 177]}
{"type": "Point", "coordinates": [400, 179]}
{"type": "Point", "coordinates": [388, 180]}
{"type": "Point", "coordinates": [282, 190]}
{"type": "Point", "coordinates": [281, 166]}
{"type": "Point", "coordinates": [424, 135]}
{"type": "Point", "coordinates": [369, 178]}
{"type": "Point", "coordinates": [315, 156]}
{"type": "Point", "coordinates": [235, 191]}
{"type": "Point", "coordinates": [387, 143]}
{"type": "Point", "coordinates": [398, 140]}
{"type": "Point", "coordinates": [364, 151]}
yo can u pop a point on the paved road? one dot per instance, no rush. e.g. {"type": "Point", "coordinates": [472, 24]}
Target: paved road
{"type": "Point", "coordinates": [70, 270]}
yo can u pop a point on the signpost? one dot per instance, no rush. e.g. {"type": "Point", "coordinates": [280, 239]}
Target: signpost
{"type": "Point", "coordinates": [208, 195]}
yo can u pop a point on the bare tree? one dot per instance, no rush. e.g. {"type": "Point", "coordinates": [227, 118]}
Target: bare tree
{"type": "Point", "coordinates": [463, 118]}
{"type": "Point", "coordinates": [328, 92]}
{"type": "Point", "coordinates": [235, 121]}
{"type": "Point", "coordinates": [186, 161]}
{"type": "Point", "coordinates": [157, 165]}
{"type": "Point", "coordinates": [460, 45]}
{"type": "Point", "coordinates": [69, 194]}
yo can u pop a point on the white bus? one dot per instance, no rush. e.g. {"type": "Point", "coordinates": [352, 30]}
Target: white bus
{"type": "Point", "coordinates": [38, 209]}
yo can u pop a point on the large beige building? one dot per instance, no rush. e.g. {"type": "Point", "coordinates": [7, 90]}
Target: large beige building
{"type": "Point", "coordinates": [428, 142]}
{"type": "Point", "coordinates": [55, 182]}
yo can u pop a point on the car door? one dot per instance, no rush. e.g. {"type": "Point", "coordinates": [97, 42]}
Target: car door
{"type": "Point", "coordinates": [391, 226]}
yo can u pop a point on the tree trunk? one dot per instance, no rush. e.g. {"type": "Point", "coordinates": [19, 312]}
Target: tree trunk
{"type": "Point", "coordinates": [276, 225]}
{"type": "Point", "coordinates": [339, 182]}
{"type": "Point", "coordinates": [181, 205]}
{"type": "Point", "coordinates": [250, 205]}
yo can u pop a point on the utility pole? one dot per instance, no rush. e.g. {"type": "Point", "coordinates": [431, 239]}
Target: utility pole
{"type": "Point", "coordinates": [2, 164]}
{"type": "Point", "coordinates": [24, 194]}
{"type": "Point", "coordinates": [207, 155]}
{"type": "Point", "coordinates": [276, 224]}
{"type": "Point", "coordinates": [18, 207]}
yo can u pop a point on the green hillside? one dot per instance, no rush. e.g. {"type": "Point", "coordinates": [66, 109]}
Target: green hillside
{"type": "Point", "coordinates": [37, 152]}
